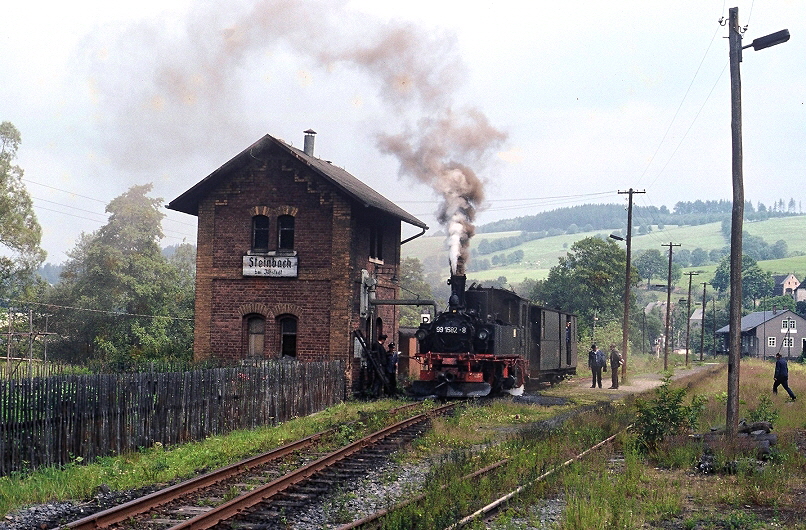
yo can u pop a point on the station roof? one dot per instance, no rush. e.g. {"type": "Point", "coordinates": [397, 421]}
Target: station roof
{"type": "Point", "coordinates": [354, 188]}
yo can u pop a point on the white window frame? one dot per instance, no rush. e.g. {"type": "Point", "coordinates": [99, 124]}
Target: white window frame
{"type": "Point", "coordinates": [771, 342]}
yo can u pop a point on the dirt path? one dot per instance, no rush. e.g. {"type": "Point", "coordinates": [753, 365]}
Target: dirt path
{"type": "Point", "coordinates": [580, 385]}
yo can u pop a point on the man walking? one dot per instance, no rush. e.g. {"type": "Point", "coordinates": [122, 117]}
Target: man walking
{"type": "Point", "coordinates": [781, 376]}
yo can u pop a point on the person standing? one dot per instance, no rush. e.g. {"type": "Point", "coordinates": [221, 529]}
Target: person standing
{"type": "Point", "coordinates": [596, 362]}
{"type": "Point", "coordinates": [781, 376]}
{"type": "Point", "coordinates": [615, 363]}
{"type": "Point", "coordinates": [377, 370]}
{"type": "Point", "coordinates": [392, 356]}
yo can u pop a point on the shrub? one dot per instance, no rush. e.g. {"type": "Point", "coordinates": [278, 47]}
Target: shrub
{"type": "Point", "coordinates": [764, 412]}
{"type": "Point", "coordinates": [665, 415]}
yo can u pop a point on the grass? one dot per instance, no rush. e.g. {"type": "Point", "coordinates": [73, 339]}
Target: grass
{"type": "Point", "coordinates": [616, 487]}
{"type": "Point", "coordinates": [159, 465]}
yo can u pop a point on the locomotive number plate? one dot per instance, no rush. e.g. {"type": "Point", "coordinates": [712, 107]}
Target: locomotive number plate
{"type": "Point", "coordinates": [451, 329]}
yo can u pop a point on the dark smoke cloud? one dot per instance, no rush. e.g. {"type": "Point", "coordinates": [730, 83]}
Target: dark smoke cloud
{"type": "Point", "coordinates": [168, 90]}
{"type": "Point", "coordinates": [433, 153]}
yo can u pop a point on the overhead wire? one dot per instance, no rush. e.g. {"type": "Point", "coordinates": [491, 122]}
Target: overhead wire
{"type": "Point", "coordinates": [679, 107]}
{"type": "Point", "coordinates": [168, 233]}
{"type": "Point", "coordinates": [88, 310]}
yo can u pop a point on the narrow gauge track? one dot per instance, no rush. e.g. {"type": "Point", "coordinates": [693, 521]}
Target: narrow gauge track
{"type": "Point", "coordinates": [264, 508]}
{"type": "Point", "coordinates": [488, 512]}
{"type": "Point", "coordinates": [197, 486]}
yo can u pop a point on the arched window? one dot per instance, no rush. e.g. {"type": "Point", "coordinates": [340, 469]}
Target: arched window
{"type": "Point", "coordinates": [260, 233]}
{"type": "Point", "coordinates": [288, 335]}
{"type": "Point", "coordinates": [255, 335]}
{"type": "Point", "coordinates": [285, 232]}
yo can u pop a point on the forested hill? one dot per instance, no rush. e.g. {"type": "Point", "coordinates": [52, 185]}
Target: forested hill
{"type": "Point", "coordinates": [587, 217]}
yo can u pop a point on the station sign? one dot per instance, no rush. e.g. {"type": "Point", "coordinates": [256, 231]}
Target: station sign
{"type": "Point", "coordinates": [270, 266]}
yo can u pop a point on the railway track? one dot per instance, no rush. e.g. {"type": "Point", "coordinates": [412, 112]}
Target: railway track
{"type": "Point", "coordinates": [487, 512]}
{"type": "Point", "coordinates": [258, 484]}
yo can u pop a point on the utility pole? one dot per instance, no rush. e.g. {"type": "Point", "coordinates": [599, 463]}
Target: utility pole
{"type": "Point", "coordinates": [668, 308]}
{"type": "Point", "coordinates": [688, 311]}
{"type": "Point", "coordinates": [737, 217]}
{"type": "Point", "coordinates": [702, 322]}
{"type": "Point", "coordinates": [625, 325]}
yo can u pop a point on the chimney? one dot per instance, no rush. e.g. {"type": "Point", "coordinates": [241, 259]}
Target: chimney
{"type": "Point", "coordinates": [309, 138]}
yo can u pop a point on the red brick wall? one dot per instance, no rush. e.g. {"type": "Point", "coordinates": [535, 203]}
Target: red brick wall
{"type": "Point", "coordinates": [331, 239]}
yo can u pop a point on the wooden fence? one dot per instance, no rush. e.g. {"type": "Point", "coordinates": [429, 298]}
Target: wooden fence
{"type": "Point", "coordinates": [55, 420]}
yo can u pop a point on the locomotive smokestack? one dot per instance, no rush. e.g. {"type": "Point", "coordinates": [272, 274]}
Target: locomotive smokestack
{"type": "Point", "coordinates": [457, 299]}
{"type": "Point", "coordinates": [309, 138]}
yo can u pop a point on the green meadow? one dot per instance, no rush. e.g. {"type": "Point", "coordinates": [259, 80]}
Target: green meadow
{"type": "Point", "coordinates": [541, 255]}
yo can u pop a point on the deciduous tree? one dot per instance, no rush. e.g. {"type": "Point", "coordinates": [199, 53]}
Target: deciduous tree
{"type": "Point", "coordinates": [756, 283]}
{"type": "Point", "coordinates": [20, 233]}
{"type": "Point", "coordinates": [120, 299]}
{"type": "Point", "coordinates": [588, 281]}
{"type": "Point", "coordinates": [651, 264]}
{"type": "Point", "coordinates": [413, 286]}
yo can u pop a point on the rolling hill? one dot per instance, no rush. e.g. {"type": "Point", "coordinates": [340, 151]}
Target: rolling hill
{"type": "Point", "coordinates": [540, 255]}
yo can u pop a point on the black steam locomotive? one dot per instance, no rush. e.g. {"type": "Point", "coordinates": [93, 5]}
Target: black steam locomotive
{"type": "Point", "coordinates": [492, 341]}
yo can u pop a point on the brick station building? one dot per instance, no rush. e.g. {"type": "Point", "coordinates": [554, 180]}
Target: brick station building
{"type": "Point", "coordinates": [289, 250]}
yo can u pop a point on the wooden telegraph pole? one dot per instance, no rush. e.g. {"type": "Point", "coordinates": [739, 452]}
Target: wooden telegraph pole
{"type": "Point", "coordinates": [668, 308]}
{"type": "Point", "coordinates": [737, 214]}
{"type": "Point", "coordinates": [688, 311]}
{"type": "Point", "coordinates": [702, 323]}
{"type": "Point", "coordinates": [737, 217]}
{"type": "Point", "coordinates": [625, 325]}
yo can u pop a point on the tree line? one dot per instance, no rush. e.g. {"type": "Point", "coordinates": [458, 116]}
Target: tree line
{"type": "Point", "coordinates": [589, 217]}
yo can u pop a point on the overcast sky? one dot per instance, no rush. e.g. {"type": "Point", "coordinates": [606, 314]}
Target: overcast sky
{"type": "Point", "coordinates": [573, 101]}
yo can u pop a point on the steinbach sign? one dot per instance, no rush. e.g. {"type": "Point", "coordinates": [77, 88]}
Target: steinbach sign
{"type": "Point", "coordinates": [268, 265]}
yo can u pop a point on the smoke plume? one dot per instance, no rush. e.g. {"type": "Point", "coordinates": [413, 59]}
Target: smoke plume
{"type": "Point", "coordinates": [164, 89]}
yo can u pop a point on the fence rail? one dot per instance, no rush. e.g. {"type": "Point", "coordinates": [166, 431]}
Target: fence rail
{"type": "Point", "coordinates": [55, 420]}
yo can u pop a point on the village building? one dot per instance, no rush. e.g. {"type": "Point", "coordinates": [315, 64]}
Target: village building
{"type": "Point", "coordinates": [765, 333]}
{"type": "Point", "coordinates": [785, 284]}
{"type": "Point", "coordinates": [800, 293]}
{"type": "Point", "coordinates": [291, 252]}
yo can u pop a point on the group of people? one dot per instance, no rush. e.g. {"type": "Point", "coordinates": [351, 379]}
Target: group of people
{"type": "Point", "coordinates": [597, 362]}
{"type": "Point", "coordinates": [386, 358]}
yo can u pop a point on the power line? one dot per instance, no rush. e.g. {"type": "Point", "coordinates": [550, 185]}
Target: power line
{"type": "Point", "coordinates": [115, 313]}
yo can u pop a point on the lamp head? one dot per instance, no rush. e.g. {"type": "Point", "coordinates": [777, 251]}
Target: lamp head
{"type": "Point", "coordinates": [770, 40]}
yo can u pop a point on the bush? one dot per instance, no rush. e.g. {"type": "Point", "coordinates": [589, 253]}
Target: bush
{"type": "Point", "coordinates": [665, 415]}
{"type": "Point", "coordinates": [764, 412]}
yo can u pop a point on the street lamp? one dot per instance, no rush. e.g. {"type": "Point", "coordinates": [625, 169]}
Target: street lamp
{"type": "Point", "coordinates": [737, 214]}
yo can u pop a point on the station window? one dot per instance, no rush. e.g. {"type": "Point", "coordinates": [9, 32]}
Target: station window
{"type": "Point", "coordinates": [376, 243]}
{"type": "Point", "coordinates": [285, 232]}
{"type": "Point", "coordinates": [255, 334]}
{"type": "Point", "coordinates": [771, 342]}
{"type": "Point", "coordinates": [260, 233]}
{"type": "Point", "coordinates": [288, 335]}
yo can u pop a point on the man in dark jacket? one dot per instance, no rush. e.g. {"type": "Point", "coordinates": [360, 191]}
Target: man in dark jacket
{"type": "Point", "coordinates": [596, 361]}
{"type": "Point", "coordinates": [615, 362]}
{"type": "Point", "coordinates": [781, 376]}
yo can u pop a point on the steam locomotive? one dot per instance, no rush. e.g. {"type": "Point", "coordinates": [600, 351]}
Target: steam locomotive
{"type": "Point", "coordinates": [492, 341]}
